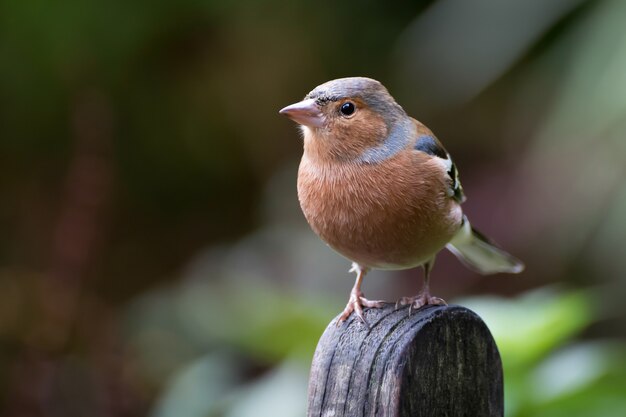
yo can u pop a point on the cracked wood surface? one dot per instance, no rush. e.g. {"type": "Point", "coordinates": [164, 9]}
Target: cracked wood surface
{"type": "Point", "coordinates": [438, 361]}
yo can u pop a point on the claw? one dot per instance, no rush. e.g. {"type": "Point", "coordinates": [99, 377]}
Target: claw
{"type": "Point", "coordinates": [404, 301]}
{"type": "Point", "coordinates": [372, 303]}
{"type": "Point", "coordinates": [357, 301]}
{"type": "Point", "coordinates": [355, 304]}
{"type": "Point", "coordinates": [419, 301]}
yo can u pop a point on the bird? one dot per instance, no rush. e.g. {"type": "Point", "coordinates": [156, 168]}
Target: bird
{"type": "Point", "coordinates": [380, 189]}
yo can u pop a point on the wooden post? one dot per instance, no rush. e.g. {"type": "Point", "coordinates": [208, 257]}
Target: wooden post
{"type": "Point", "coordinates": [439, 361]}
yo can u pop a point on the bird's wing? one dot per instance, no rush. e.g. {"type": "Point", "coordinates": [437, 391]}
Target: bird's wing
{"type": "Point", "coordinates": [428, 143]}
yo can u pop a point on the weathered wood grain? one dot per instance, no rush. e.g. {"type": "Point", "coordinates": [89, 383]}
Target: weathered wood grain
{"type": "Point", "coordinates": [439, 361]}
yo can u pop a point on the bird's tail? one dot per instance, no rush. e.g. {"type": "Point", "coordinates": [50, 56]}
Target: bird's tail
{"type": "Point", "coordinates": [480, 254]}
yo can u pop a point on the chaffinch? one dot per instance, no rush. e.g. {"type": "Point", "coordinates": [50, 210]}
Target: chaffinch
{"type": "Point", "coordinates": [379, 188]}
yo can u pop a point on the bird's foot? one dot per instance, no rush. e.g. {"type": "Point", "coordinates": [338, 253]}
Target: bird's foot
{"type": "Point", "coordinates": [356, 303]}
{"type": "Point", "coordinates": [420, 300]}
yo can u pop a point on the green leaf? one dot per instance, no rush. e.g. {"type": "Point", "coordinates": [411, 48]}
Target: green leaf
{"type": "Point", "coordinates": [526, 329]}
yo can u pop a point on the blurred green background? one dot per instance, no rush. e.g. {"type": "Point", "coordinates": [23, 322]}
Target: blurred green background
{"type": "Point", "coordinates": [153, 257]}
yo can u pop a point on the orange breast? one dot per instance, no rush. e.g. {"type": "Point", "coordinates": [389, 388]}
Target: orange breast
{"type": "Point", "coordinates": [392, 215]}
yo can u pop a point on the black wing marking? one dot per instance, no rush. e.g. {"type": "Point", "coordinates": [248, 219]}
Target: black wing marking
{"type": "Point", "coordinates": [457, 188]}
{"type": "Point", "coordinates": [430, 145]}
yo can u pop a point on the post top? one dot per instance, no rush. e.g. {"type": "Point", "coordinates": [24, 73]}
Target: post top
{"type": "Point", "coordinates": [439, 360]}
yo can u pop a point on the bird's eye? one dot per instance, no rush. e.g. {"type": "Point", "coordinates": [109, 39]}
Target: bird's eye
{"type": "Point", "coordinates": [347, 108]}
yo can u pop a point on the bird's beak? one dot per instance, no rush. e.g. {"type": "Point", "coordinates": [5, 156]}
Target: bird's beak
{"type": "Point", "coordinates": [305, 112]}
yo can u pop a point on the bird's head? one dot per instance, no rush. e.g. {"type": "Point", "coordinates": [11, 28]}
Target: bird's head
{"type": "Point", "coordinates": [346, 117]}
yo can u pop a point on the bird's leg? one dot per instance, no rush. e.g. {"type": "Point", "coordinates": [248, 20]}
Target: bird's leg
{"type": "Point", "coordinates": [357, 299]}
{"type": "Point", "coordinates": [424, 297]}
